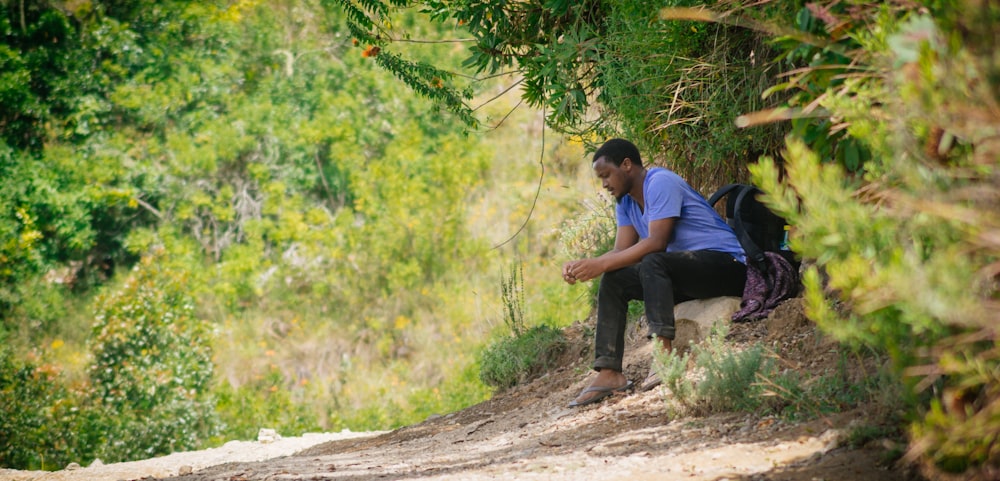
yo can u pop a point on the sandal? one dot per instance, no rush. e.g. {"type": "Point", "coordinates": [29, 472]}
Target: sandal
{"type": "Point", "coordinates": [651, 381]}
{"type": "Point", "coordinates": [602, 392]}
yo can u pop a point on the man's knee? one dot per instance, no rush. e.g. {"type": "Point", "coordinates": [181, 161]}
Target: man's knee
{"type": "Point", "coordinates": [654, 264]}
{"type": "Point", "coordinates": [615, 278]}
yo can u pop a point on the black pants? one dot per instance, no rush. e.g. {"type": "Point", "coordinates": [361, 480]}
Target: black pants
{"type": "Point", "coordinates": [662, 279]}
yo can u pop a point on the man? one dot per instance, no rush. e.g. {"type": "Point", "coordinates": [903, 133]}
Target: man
{"type": "Point", "coordinates": [671, 246]}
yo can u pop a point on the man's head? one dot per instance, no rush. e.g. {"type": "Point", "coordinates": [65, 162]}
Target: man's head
{"type": "Point", "coordinates": [617, 150]}
{"type": "Point", "coordinates": [618, 165]}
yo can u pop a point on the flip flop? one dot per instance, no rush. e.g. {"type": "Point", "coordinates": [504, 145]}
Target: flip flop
{"type": "Point", "coordinates": [652, 380]}
{"type": "Point", "coordinates": [603, 392]}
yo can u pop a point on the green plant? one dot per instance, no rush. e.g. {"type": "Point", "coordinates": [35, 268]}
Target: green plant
{"type": "Point", "coordinates": [267, 403]}
{"type": "Point", "coordinates": [729, 377]}
{"type": "Point", "coordinates": [523, 352]}
{"type": "Point", "coordinates": [902, 252]}
{"type": "Point", "coordinates": [26, 393]}
{"type": "Point", "coordinates": [798, 395]}
{"type": "Point", "coordinates": [512, 297]}
{"type": "Point", "coordinates": [672, 369]}
{"type": "Point", "coordinates": [516, 359]}
{"type": "Point", "coordinates": [726, 377]}
{"type": "Point", "coordinates": [152, 365]}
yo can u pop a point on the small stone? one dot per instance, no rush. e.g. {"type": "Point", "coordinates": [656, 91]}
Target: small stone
{"type": "Point", "coordinates": [185, 470]}
{"type": "Point", "coordinates": [266, 436]}
{"type": "Point", "coordinates": [97, 462]}
{"type": "Point", "coordinates": [72, 466]}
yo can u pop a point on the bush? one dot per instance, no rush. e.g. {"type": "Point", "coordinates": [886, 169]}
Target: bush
{"type": "Point", "coordinates": [730, 376]}
{"type": "Point", "coordinates": [26, 393]}
{"type": "Point", "coordinates": [726, 378]}
{"type": "Point", "coordinates": [266, 403]}
{"type": "Point", "coordinates": [904, 251]}
{"type": "Point", "coordinates": [152, 366]}
{"type": "Point", "coordinates": [516, 359]}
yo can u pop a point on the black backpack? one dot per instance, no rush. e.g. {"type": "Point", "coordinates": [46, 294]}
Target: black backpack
{"type": "Point", "coordinates": [758, 229]}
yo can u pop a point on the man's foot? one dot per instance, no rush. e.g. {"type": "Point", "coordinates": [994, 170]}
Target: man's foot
{"type": "Point", "coordinates": [652, 379]}
{"type": "Point", "coordinates": [607, 382]}
{"type": "Point", "coordinates": [593, 394]}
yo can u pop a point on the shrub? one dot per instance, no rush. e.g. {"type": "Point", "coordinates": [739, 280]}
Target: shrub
{"type": "Point", "coordinates": [904, 256]}
{"type": "Point", "coordinates": [672, 369]}
{"type": "Point", "coordinates": [525, 352]}
{"type": "Point", "coordinates": [266, 403]}
{"type": "Point", "coordinates": [152, 366]}
{"type": "Point", "coordinates": [25, 394]}
{"type": "Point", "coordinates": [729, 381]}
{"type": "Point", "coordinates": [515, 359]}
{"type": "Point", "coordinates": [726, 377]}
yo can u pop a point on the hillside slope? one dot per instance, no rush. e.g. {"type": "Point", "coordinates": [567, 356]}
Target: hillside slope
{"type": "Point", "coordinates": [528, 433]}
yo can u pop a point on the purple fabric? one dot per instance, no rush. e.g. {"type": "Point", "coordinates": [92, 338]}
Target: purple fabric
{"type": "Point", "coordinates": [758, 300]}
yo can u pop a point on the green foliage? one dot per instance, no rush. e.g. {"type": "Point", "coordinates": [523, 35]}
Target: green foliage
{"type": "Point", "coordinates": [512, 297]}
{"type": "Point", "coordinates": [369, 23]}
{"type": "Point", "coordinates": [26, 393]}
{"type": "Point", "coordinates": [727, 378]}
{"type": "Point", "coordinates": [44, 423]}
{"type": "Point", "coordinates": [316, 215]}
{"type": "Point", "coordinates": [903, 251]}
{"type": "Point", "coordinates": [676, 87]}
{"type": "Point", "coordinates": [518, 358]}
{"type": "Point", "coordinates": [152, 366]}
{"type": "Point", "coordinates": [552, 44]}
{"type": "Point", "coordinates": [799, 396]}
{"type": "Point", "coordinates": [672, 370]}
{"type": "Point", "coordinates": [264, 403]}
{"type": "Point", "coordinates": [730, 377]}
{"type": "Point", "coordinates": [523, 352]}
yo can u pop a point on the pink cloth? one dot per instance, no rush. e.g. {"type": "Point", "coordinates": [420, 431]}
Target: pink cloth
{"type": "Point", "coordinates": [763, 293]}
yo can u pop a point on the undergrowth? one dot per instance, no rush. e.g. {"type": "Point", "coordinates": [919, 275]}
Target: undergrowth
{"type": "Point", "coordinates": [515, 359]}
{"type": "Point", "coordinates": [523, 352]}
{"type": "Point", "coordinates": [719, 377]}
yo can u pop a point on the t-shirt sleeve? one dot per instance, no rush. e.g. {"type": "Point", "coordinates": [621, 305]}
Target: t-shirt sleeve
{"type": "Point", "coordinates": [663, 198]}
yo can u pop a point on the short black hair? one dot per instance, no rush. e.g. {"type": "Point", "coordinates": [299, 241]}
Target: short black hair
{"type": "Point", "coordinates": [617, 150]}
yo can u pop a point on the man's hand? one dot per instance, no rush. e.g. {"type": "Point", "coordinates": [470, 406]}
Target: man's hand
{"type": "Point", "coordinates": [567, 272]}
{"type": "Point", "coordinates": [581, 270]}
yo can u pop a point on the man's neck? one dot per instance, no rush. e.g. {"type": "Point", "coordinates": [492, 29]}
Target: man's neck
{"type": "Point", "coordinates": [639, 178]}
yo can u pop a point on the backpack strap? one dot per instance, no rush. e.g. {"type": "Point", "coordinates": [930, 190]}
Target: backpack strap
{"type": "Point", "coordinates": [722, 193]}
{"type": "Point", "coordinates": [755, 254]}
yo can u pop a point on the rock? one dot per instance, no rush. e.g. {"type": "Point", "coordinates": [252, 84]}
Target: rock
{"type": "Point", "coordinates": [185, 470]}
{"type": "Point", "coordinates": [265, 436]}
{"type": "Point", "coordinates": [72, 466]}
{"type": "Point", "coordinates": [96, 462]}
{"type": "Point", "coordinates": [693, 320]}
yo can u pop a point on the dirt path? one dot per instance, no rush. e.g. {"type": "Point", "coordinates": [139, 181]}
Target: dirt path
{"type": "Point", "coordinates": [528, 433]}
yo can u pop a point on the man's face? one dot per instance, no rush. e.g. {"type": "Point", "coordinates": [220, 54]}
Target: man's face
{"type": "Point", "coordinates": [614, 178]}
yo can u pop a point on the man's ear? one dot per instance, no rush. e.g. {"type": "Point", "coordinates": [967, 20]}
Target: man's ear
{"type": "Point", "coordinates": [627, 164]}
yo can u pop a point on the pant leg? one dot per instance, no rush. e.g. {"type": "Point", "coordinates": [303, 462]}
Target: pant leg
{"type": "Point", "coordinates": [671, 277]}
{"type": "Point", "coordinates": [617, 288]}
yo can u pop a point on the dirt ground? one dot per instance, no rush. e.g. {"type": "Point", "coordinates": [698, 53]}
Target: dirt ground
{"type": "Point", "coordinates": [529, 433]}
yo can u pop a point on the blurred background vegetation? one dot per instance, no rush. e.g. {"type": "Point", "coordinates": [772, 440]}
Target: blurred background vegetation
{"type": "Point", "coordinates": [302, 214]}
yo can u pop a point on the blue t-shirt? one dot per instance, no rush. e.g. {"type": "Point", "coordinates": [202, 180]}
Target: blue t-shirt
{"type": "Point", "coordinates": [697, 227]}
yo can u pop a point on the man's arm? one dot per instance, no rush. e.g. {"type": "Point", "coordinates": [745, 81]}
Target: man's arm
{"type": "Point", "coordinates": [628, 250]}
